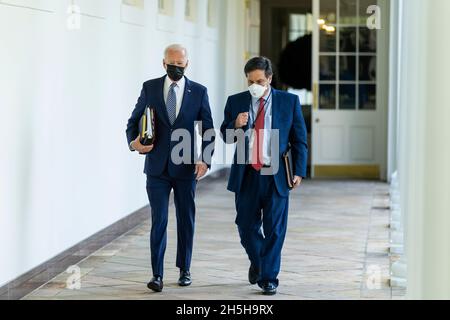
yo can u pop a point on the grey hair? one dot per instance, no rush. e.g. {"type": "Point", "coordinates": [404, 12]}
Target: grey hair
{"type": "Point", "coordinates": [175, 47]}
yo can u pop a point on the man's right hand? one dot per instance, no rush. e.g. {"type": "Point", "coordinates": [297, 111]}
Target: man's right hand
{"type": "Point", "coordinates": [242, 120]}
{"type": "Point", "coordinates": [137, 146]}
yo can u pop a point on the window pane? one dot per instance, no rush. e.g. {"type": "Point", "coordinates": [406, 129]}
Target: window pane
{"type": "Point", "coordinates": [294, 35]}
{"type": "Point", "coordinates": [328, 11]}
{"type": "Point", "coordinates": [367, 40]}
{"type": "Point", "coordinates": [165, 7]}
{"type": "Point", "coordinates": [347, 39]}
{"type": "Point", "coordinates": [327, 68]}
{"type": "Point", "coordinates": [327, 41]}
{"type": "Point", "coordinates": [297, 21]}
{"type": "Point", "coordinates": [187, 9]}
{"type": "Point", "coordinates": [347, 96]}
{"type": "Point", "coordinates": [347, 68]}
{"type": "Point", "coordinates": [190, 10]}
{"type": "Point", "coordinates": [212, 13]}
{"type": "Point", "coordinates": [367, 97]}
{"type": "Point", "coordinates": [367, 68]}
{"type": "Point", "coordinates": [348, 14]}
{"type": "Point", "coordinates": [327, 96]}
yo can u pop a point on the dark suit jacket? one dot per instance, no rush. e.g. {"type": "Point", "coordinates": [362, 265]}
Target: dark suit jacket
{"type": "Point", "coordinates": [287, 117]}
{"type": "Point", "coordinates": [195, 107]}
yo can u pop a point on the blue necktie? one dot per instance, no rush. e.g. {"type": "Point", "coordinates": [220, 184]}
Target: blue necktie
{"type": "Point", "coordinates": [172, 104]}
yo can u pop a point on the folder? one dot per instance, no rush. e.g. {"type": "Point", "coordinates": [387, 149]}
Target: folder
{"type": "Point", "coordinates": [287, 159]}
{"type": "Point", "coordinates": [147, 127]}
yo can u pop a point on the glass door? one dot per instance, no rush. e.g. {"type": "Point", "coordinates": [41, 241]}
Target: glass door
{"type": "Point", "coordinates": [347, 56]}
{"type": "Point", "coordinates": [346, 121]}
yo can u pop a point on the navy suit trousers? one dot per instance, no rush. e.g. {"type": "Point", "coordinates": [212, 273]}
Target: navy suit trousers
{"type": "Point", "coordinates": [158, 190]}
{"type": "Point", "coordinates": [262, 216]}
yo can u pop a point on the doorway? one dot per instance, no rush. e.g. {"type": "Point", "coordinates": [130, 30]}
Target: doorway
{"type": "Point", "coordinates": [342, 83]}
{"type": "Point", "coordinates": [286, 39]}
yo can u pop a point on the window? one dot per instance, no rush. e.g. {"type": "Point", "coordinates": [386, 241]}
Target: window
{"type": "Point", "coordinates": [165, 7]}
{"type": "Point", "coordinates": [299, 25]}
{"type": "Point", "coordinates": [212, 13]}
{"type": "Point", "coordinates": [347, 57]}
{"type": "Point", "coordinates": [190, 11]}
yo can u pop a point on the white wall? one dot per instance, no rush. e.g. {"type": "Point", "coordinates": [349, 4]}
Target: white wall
{"type": "Point", "coordinates": [65, 97]}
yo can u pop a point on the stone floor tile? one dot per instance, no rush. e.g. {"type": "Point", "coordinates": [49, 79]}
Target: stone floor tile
{"type": "Point", "coordinates": [338, 231]}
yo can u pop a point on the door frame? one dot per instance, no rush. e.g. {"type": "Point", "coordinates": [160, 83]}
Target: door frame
{"type": "Point", "coordinates": [376, 171]}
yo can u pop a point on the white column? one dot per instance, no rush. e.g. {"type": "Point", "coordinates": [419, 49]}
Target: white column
{"type": "Point", "coordinates": [394, 68]}
{"type": "Point", "coordinates": [410, 127]}
{"type": "Point", "coordinates": [425, 139]}
{"type": "Point", "coordinates": [397, 241]}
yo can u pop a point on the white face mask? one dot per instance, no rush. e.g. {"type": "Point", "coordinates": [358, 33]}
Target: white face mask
{"type": "Point", "coordinates": [257, 91]}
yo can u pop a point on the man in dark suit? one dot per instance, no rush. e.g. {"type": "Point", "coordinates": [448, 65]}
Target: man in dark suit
{"type": "Point", "coordinates": [261, 187]}
{"type": "Point", "coordinates": [178, 104]}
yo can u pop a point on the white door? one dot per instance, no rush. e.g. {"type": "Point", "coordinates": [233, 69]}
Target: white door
{"type": "Point", "coordinates": [349, 114]}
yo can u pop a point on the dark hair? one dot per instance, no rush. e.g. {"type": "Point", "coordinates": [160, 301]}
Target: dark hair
{"type": "Point", "coordinates": [259, 63]}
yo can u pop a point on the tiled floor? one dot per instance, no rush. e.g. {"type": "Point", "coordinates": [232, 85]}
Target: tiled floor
{"type": "Point", "coordinates": [336, 248]}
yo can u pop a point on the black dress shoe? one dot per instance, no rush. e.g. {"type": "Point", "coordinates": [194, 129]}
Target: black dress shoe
{"type": "Point", "coordinates": [269, 289]}
{"type": "Point", "coordinates": [185, 279]}
{"type": "Point", "coordinates": [156, 284]}
{"type": "Point", "coordinates": [253, 275]}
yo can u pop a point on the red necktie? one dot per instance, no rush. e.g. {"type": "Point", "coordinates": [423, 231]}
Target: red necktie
{"type": "Point", "coordinates": [257, 159]}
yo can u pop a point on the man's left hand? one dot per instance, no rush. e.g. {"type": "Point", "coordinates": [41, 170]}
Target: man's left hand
{"type": "Point", "coordinates": [200, 170]}
{"type": "Point", "coordinates": [297, 181]}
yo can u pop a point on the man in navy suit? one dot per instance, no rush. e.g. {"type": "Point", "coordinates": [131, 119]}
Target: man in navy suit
{"type": "Point", "coordinates": [260, 185]}
{"type": "Point", "coordinates": [178, 103]}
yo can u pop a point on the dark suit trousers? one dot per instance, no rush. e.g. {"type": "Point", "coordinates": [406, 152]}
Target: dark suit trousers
{"type": "Point", "coordinates": [262, 216]}
{"type": "Point", "coordinates": [158, 190]}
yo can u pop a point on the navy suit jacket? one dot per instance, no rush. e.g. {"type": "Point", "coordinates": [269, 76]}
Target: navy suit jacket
{"type": "Point", "coordinates": [195, 107]}
{"type": "Point", "coordinates": [287, 117]}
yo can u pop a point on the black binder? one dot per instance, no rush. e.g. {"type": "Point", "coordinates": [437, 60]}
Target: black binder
{"type": "Point", "coordinates": [147, 127]}
{"type": "Point", "coordinates": [287, 159]}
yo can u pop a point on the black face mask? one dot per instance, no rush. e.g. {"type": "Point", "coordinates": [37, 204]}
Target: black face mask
{"type": "Point", "coordinates": [174, 72]}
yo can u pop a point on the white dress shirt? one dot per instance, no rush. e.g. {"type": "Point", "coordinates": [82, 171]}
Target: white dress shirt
{"type": "Point", "coordinates": [267, 159]}
{"type": "Point", "coordinates": [179, 91]}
